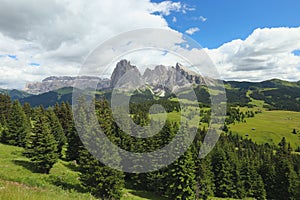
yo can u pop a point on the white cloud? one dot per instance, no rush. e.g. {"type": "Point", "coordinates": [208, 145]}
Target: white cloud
{"type": "Point", "coordinates": [265, 54]}
{"type": "Point", "coordinates": [174, 19]}
{"type": "Point", "coordinates": [166, 7]}
{"type": "Point", "coordinates": [201, 18]}
{"type": "Point", "coordinates": [192, 30]}
{"type": "Point", "coordinates": [59, 34]}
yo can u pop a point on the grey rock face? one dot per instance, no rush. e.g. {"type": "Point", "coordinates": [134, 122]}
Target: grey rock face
{"type": "Point", "coordinates": [125, 75]}
{"type": "Point", "coordinates": [121, 69]}
{"type": "Point", "coordinates": [54, 82]}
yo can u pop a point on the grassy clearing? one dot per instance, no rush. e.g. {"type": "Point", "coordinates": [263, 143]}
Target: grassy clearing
{"type": "Point", "coordinates": [255, 102]}
{"type": "Point", "coordinates": [270, 127]}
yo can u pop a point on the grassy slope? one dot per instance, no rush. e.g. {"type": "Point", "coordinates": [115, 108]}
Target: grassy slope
{"type": "Point", "coordinates": [18, 181]}
{"type": "Point", "coordinates": [270, 127]}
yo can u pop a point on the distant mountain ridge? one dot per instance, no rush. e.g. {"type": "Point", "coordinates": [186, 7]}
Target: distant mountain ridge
{"type": "Point", "coordinates": [54, 82]}
{"type": "Point", "coordinates": [160, 75]}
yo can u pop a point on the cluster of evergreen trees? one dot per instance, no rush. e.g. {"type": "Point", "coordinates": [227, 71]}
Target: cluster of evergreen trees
{"type": "Point", "coordinates": [236, 167]}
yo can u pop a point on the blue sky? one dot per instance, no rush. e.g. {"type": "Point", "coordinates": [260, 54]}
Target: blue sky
{"type": "Point", "coordinates": [233, 19]}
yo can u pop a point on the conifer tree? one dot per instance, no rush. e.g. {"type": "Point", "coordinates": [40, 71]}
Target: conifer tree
{"type": "Point", "coordinates": [42, 149]}
{"type": "Point", "coordinates": [182, 178]}
{"type": "Point", "coordinates": [18, 126]}
{"type": "Point", "coordinates": [252, 182]}
{"type": "Point", "coordinates": [5, 106]}
{"type": "Point", "coordinates": [65, 116]}
{"type": "Point", "coordinates": [27, 110]}
{"type": "Point", "coordinates": [57, 131]}
{"type": "Point", "coordinates": [205, 179]}
{"type": "Point", "coordinates": [268, 174]}
{"type": "Point", "coordinates": [182, 173]}
{"type": "Point", "coordinates": [100, 180]}
{"type": "Point", "coordinates": [287, 180]}
{"type": "Point", "coordinates": [74, 144]}
{"type": "Point", "coordinates": [222, 175]}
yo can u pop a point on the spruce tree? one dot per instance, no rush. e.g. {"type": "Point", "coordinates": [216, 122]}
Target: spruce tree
{"type": "Point", "coordinates": [268, 174]}
{"type": "Point", "coordinates": [287, 180]}
{"type": "Point", "coordinates": [182, 177]}
{"type": "Point", "coordinates": [57, 131]}
{"type": "Point", "coordinates": [100, 180]}
{"type": "Point", "coordinates": [182, 173]}
{"type": "Point", "coordinates": [18, 126]}
{"type": "Point", "coordinates": [42, 149]}
{"type": "Point", "coordinates": [27, 110]}
{"type": "Point", "coordinates": [222, 176]}
{"type": "Point", "coordinates": [205, 179]}
{"type": "Point", "coordinates": [65, 116]}
{"type": "Point", "coordinates": [74, 144]}
{"type": "Point", "coordinates": [252, 182]}
{"type": "Point", "coordinates": [5, 106]}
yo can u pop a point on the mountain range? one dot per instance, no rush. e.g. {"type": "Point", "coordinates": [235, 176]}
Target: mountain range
{"type": "Point", "coordinates": [164, 76]}
{"type": "Point", "coordinates": [272, 94]}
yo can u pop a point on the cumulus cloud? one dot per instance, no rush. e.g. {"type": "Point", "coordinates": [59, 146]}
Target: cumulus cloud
{"type": "Point", "coordinates": [58, 35]}
{"type": "Point", "coordinates": [166, 7]}
{"type": "Point", "coordinates": [201, 18]}
{"type": "Point", "coordinates": [267, 53]}
{"type": "Point", "coordinates": [192, 30]}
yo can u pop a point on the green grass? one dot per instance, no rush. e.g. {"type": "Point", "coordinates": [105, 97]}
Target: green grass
{"type": "Point", "coordinates": [130, 194]}
{"type": "Point", "coordinates": [18, 181]}
{"type": "Point", "coordinates": [255, 102]}
{"type": "Point", "coordinates": [270, 127]}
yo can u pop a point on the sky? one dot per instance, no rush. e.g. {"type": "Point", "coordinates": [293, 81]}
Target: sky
{"type": "Point", "coordinates": [246, 40]}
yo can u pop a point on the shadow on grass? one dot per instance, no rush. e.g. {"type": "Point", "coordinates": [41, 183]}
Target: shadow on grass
{"type": "Point", "coordinates": [26, 164]}
{"type": "Point", "coordinates": [64, 183]}
{"type": "Point", "coordinates": [146, 195]}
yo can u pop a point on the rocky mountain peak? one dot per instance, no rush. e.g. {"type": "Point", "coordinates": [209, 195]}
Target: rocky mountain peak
{"type": "Point", "coordinates": [122, 68]}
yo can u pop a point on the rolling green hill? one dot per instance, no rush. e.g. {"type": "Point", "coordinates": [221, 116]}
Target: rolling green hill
{"type": "Point", "coordinates": [15, 94]}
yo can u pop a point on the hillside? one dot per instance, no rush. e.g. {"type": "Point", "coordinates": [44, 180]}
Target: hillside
{"type": "Point", "coordinates": [272, 94]}
{"type": "Point", "coordinates": [18, 180]}
{"type": "Point", "coordinates": [15, 94]}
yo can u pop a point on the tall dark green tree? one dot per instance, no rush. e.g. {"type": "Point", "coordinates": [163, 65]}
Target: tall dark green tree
{"type": "Point", "coordinates": [222, 176]}
{"type": "Point", "coordinates": [287, 180]}
{"type": "Point", "coordinates": [100, 180]}
{"type": "Point", "coordinates": [205, 179]}
{"type": "Point", "coordinates": [65, 116]}
{"type": "Point", "coordinates": [5, 106]}
{"type": "Point", "coordinates": [27, 110]}
{"type": "Point", "coordinates": [252, 182]}
{"type": "Point", "coordinates": [182, 178]}
{"type": "Point", "coordinates": [57, 131]}
{"type": "Point", "coordinates": [268, 174]}
{"type": "Point", "coordinates": [18, 126]}
{"type": "Point", "coordinates": [42, 149]}
{"type": "Point", "coordinates": [74, 144]}
{"type": "Point", "coordinates": [182, 173]}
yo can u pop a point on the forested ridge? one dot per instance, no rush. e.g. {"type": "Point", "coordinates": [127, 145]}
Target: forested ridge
{"type": "Point", "coordinates": [237, 167]}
